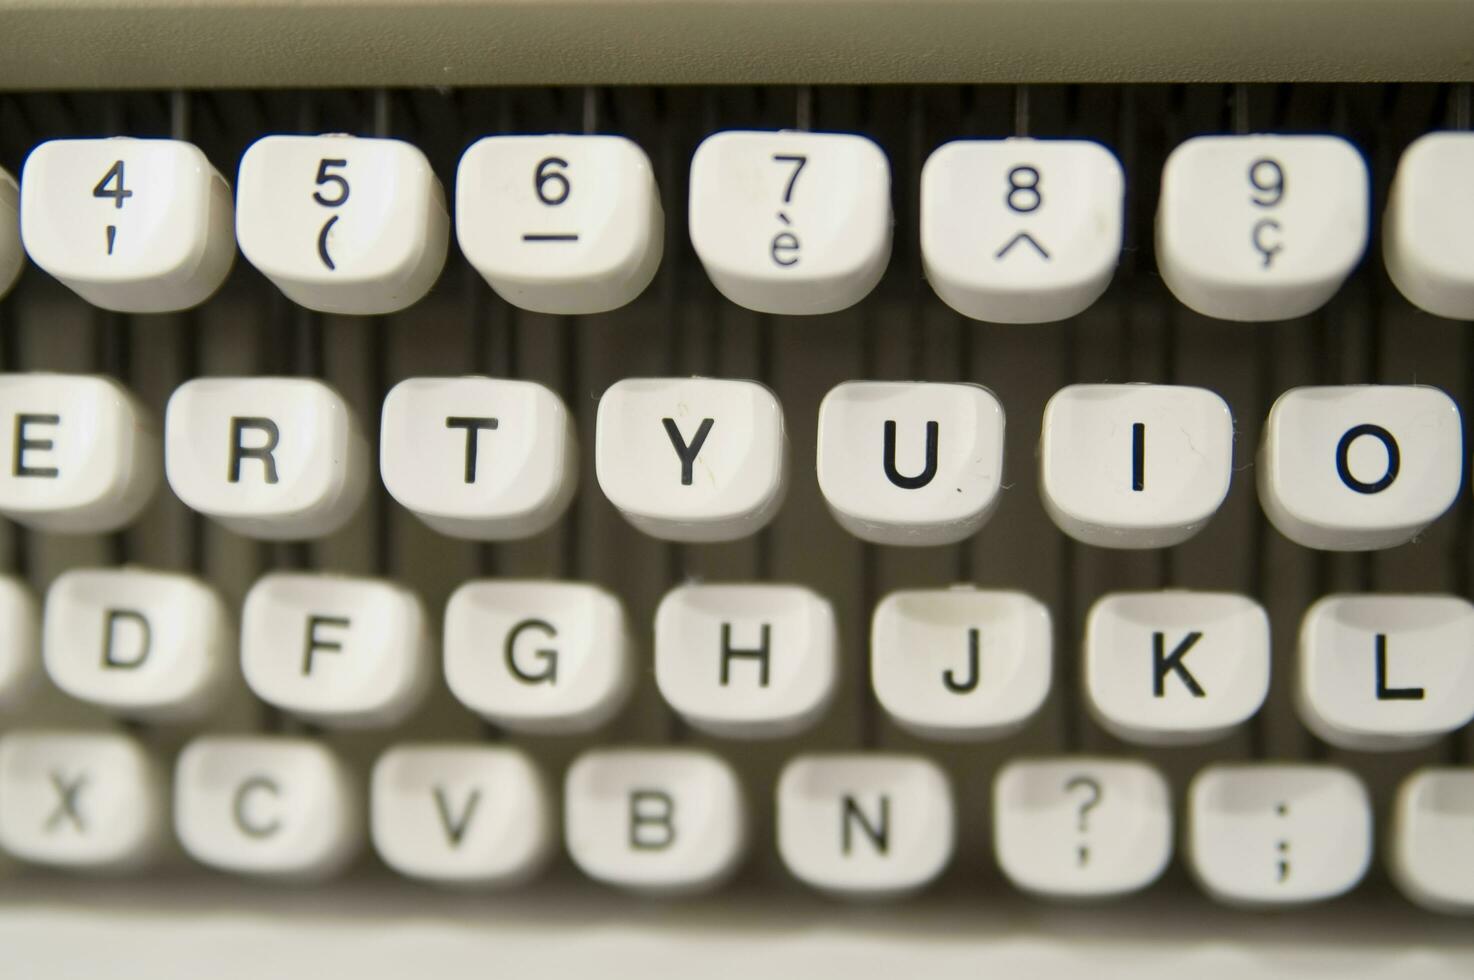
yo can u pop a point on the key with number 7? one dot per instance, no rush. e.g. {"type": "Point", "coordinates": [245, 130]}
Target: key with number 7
{"type": "Point", "coordinates": [791, 222]}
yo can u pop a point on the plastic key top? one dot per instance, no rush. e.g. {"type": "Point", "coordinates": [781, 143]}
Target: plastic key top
{"type": "Point", "coordinates": [132, 225]}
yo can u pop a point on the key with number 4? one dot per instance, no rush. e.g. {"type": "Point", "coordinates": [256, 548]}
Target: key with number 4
{"type": "Point", "coordinates": [133, 225]}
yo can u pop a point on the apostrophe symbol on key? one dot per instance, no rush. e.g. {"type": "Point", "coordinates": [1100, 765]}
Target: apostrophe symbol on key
{"type": "Point", "coordinates": [1282, 847]}
{"type": "Point", "coordinates": [1089, 801]}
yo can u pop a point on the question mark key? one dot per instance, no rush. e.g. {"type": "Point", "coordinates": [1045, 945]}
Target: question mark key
{"type": "Point", "coordinates": [1081, 827]}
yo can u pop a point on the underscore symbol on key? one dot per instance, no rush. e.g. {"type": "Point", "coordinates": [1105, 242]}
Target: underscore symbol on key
{"type": "Point", "coordinates": [550, 237]}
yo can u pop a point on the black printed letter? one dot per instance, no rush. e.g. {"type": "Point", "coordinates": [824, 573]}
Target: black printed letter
{"type": "Point", "coordinates": [239, 451]}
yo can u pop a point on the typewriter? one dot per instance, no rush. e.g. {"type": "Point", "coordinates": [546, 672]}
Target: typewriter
{"type": "Point", "coordinates": [614, 489]}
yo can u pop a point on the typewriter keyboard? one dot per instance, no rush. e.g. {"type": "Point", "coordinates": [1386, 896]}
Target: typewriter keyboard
{"type": "Point", "coordinates": [1052, 491]}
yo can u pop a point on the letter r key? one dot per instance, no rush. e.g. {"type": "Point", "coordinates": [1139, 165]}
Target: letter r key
{"type": "Point", "coordinates": [275, 458]}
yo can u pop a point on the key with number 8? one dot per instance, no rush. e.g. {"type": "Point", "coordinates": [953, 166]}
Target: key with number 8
{"type": "Point", "coordinates": [1021, 230]}
{"type": "Point", "coordinates": [560, 224]}
{"type": "Point", "coordinates": [132, 225]}
{"type": "Point", "coordinates": [342, 224]}
{"type": "Point", "coordinates": [1258, 228]}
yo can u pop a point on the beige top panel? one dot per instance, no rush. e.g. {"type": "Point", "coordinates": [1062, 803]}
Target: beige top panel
{"type": "Point", "coordinates": [68, 44]}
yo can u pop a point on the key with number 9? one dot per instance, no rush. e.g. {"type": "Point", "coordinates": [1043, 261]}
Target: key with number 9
{"type": "Point", "coordinates": [1256, 228]}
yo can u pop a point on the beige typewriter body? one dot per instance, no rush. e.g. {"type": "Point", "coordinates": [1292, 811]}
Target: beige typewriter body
{"type": "Point", "coordinates": [1138, 77]}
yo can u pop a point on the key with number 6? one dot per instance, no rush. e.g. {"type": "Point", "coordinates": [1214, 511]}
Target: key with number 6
{"type": "Point", "coordinates": [560, 224]}
{"type": "Point", "coordinates": [132, 225]}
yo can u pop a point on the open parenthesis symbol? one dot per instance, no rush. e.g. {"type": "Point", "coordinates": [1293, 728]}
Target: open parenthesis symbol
{"type": "Point", "coordinates": [322, 243]}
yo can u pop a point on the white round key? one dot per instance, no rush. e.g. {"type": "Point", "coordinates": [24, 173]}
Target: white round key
{"type": "Point", "coordinates": [339, 651]}
{"type": "Point", "coordinates": [961, 664]}
{"type": "Point", "coordinates": [20, 643]}
{"type": "Point", "coordinates": [1432, 852]}
{"type": "Point", "coordinates": [865, 826]}
{"type": "Point", "coordinates": [1359, 467]}
{"type": "Point", "coordinates": [82, 453]}
{"type": "Point", "coordinates": [560, 224]}
{"type": "Point", "coordinates": [481, 458]}
{"type": "Point", "coordinates": [538, 657]}
{"type": "Point", "coordinates": [1175, 667]}
{"type": "Point", "coordinates": [342, 224]}
{"type": "Point", "coordinates": [746, 661]}
{"type": "Point", "coordinates": [1133, 465]}
{"type": "Point", "coordinates": [267, 806]}
{"type": "Point", "coordinates": [133, 225]}
{"type": "Point", "coordinates": [692, 459]}
{"type": "Point", "coordinates": [87, 802]}
{"type": "Point", "coordinates": [1021, 230]}
{"type": "Point", "coordinates": [1261, 227]}
{"type": "Point", "coordinates": [473, 815]}
{"type": "Point", "coordinates": [1081, 828]}
{"type": "Point", "coordinates": [791, 222]}
{"type": "Point", "coordinates": [275, 458]}
{"type": "Point", "coordinates": [12, 256]}
{"type": "Point", "coordinates": [910, 463]}
{"type": "Point", "coordinates": [1428, 230]}
{"type": "Point", "coordinates": [1386, 672]}
{"type": "Point", "coordinates": [655, 821]}
{"type": "Point", "coordinates": [151, 645]}
{"type": "Point", "coordinates": [1265, 835]}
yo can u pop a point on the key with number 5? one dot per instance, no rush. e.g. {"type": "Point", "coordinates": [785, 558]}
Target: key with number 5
{"type": "Point", "coordinates": [132, 225]}
{"type": "Point", "coordinates": [342, 224]}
